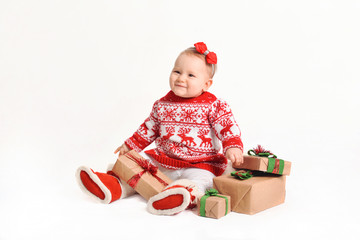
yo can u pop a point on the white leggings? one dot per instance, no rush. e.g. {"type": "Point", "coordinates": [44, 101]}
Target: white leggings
{"type": "Point", "coordinates": [203, 179]}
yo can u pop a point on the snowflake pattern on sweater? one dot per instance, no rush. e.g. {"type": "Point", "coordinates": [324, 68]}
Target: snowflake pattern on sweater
{"type": "Point", "coordinates": [188, 130]}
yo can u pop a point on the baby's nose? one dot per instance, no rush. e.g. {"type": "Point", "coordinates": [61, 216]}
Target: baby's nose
{"type": "Point", "coordinates": [181, 77]}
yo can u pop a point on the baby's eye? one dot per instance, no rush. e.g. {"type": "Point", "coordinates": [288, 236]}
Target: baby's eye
{"type": "Point", "coordinates": [191, 75]}
{"type": "Point", "coordinates": [177, 72]}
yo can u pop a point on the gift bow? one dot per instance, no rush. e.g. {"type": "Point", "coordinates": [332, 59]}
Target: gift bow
{"type": "Point", "coordinates": [275, 165]}
{"type": "Point", "coordinates": [147, 167]}
{"type": "Point", "coordinates": [210, 57]}
{"type": "Point", "coordinates": [261, 152]}
{"type": "Point", "coordinates": [211, 193]}
{"type": "Point", "coordinates": [242, 174]}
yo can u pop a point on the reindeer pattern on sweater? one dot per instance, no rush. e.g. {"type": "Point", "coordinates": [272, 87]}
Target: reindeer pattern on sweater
{"type": "Point", "coordinates": [188, 128]}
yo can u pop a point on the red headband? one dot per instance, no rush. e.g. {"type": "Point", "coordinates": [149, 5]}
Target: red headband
{"type": "Point", "coordinates": [210, 56]}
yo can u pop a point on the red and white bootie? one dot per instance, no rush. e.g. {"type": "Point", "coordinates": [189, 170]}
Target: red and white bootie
{"type": "Point", "coordinates": [175, 198]}
{"type": "Point", "coordinates": [105, 187]}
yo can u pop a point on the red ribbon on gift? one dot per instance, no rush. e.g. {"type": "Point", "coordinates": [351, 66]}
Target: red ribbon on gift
{"type": "Point", "coordinates": [277, 166]}
{"type": "Point", "coordinates": [147, 167]}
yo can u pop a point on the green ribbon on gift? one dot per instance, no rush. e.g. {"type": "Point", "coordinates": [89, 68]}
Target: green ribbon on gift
{"type": "Point", "coordinates": [211, 193]}
{"type": "Point", "coordinates": [251, 152]}
{"type": "Point", "coordinates": [242, 174]}
{"type": "Point", "coordinates": [275, 165]}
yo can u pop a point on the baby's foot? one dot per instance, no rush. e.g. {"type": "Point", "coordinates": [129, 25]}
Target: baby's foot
{"type": "Point", "coordinates": [105, 187]}
{"type": "Point", "coordinates": [175, 198]}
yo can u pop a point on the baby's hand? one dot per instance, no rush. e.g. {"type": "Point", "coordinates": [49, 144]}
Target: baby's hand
{"type": "Point", "coordinates": [235, 155]}
{"type": "Point", "coordinates": [122, 149]}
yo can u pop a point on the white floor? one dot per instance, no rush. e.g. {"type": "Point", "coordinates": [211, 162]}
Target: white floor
{"type": "Point", "coordinates": [46, 203]}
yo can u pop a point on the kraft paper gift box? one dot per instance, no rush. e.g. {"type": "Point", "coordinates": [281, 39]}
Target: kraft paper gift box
{"type": "Point", "coordinates": [252, 195]}
{"type": "Point", "coordinates": [265, 164]}
{"type": "Point", "coordinates": [214, 205]}
{"type": "Point", "coordinates": [145, 179]}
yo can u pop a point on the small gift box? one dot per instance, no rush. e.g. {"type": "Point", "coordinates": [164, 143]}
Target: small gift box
{"type": "Point", "coordinates": [214, 205]}
{"type": "Point", "coordinates": [262, 160]}
{"type": "Point", "coordinates": [254, 193]}
{"type": "Point", "coordinates": [140, 174]}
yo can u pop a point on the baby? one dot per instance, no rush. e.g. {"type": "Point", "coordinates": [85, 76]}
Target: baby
{"type": "Point", "coordinates": [186, 125]}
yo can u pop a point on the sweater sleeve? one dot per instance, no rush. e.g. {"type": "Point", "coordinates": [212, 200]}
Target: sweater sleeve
{"type": "Point", "coordinates": [146, 133]}
{"type": "Point", "coordinates": [223, 122]}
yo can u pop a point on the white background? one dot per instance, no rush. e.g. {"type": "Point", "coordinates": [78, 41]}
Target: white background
{"type": "Point", "coordinates": [78, 77]}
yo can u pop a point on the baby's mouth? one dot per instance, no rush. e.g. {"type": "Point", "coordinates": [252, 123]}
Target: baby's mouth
{"type": "Point", "coordinates": [177, 85]}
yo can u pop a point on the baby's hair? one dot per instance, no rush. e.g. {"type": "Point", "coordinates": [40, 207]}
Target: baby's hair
{"type": "Point", "coordinates": [192, 51]}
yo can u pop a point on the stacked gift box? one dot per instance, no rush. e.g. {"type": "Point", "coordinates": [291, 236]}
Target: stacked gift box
{"type": "Point", "coordinates": [256, 185]}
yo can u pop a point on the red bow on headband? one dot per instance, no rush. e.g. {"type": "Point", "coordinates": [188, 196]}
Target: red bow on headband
{"type": "Point", "coordinates": [210, 56]}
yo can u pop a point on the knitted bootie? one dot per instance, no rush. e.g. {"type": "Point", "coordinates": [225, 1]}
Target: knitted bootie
{"type": "Point", "coordinates": [178, 196]}
{"type": "Point", "coordinates": [105, 187]}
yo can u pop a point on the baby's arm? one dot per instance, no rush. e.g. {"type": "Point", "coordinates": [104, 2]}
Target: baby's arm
{"type": "Point", "coordinates": [122, 149]}
{"type": "Point", "coordinates": [227, 130]}
{"type": "Point", "coordinates": [144, 136]}
{"type": "Point", "coordinates": [235, 155]}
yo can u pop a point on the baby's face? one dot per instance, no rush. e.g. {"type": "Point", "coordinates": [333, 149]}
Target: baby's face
{"type": "Point", "coordinates": [190, 76]}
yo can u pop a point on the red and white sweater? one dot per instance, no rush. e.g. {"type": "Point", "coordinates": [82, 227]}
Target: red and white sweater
{"type": "Point", "coordinates": [187, 131]}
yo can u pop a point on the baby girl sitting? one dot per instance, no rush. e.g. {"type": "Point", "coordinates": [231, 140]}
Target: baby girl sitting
{"type": "Point", "coordinates": [186, 125]}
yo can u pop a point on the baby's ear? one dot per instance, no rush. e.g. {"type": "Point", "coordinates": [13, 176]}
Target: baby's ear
{"type": "Point", "coordinates": [208, 84]}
